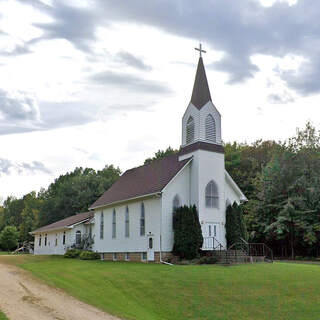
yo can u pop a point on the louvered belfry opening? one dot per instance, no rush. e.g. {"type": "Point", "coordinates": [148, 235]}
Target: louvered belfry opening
{"type": "Point", "coordinates": [210, 129]}
{"type": "Point", "coordinates": [190, 130]}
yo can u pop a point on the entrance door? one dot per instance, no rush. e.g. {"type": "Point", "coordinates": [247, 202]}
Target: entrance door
{"type": "Point", "coordinates": [56, 244]}
{"type": "Point", "coordinates": [212, 235]}
{"type": "Point", "coordinates": [212, 229]}
{"type": "Point", "coordinates": [150, 252]}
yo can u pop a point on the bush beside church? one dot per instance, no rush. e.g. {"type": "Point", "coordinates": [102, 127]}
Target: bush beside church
{"type": "Point", "coordinates": [188, 237]}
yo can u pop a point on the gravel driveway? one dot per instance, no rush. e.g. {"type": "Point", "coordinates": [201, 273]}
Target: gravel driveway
{"type": "Point", "coordinates": [22, 297]}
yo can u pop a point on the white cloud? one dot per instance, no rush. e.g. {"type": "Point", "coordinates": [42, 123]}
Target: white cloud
{"type": "Point", "coordinates": [18, 106]}
{"type": "Point", "coordinates": [110, 93]}
{"type": "Point", "coordinates": [8, 167]}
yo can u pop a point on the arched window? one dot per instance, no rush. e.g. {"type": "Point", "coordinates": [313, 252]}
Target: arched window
{"type": "Point", "coordinates": [176, 202]}
{"type": "Point", "coordinates": [142, 221]}
{"type": "Point", "coordinates": [78, 237]}
{"type": "Point", "coordinates": [114, 224]}
{"type": "Point", "coordinates": [101, 225]}
{"type": "Point", "coordinates": [210, 129]}
{"type": "Point", "coordinates": [212, 196]}
{"type": "Point", "coordinates": [190, 130]}
{"type": "Point", "coordinates": [127, 234]}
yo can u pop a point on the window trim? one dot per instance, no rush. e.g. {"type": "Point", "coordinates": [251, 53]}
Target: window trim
{"type": "Point", "coordinates": [144, 256]}
{"type": "Point", "coordinates": [78, 233]}
{"type": "Point", "coordinates": [101, 225]}
{"type": "Point", "coordinates": [150, 243]}
{"type": "Point", "coordinates": [212, 195]}
{"type": "Point", "coordinates": [174, 205]}
{"type": "Point", "coordinates": [114, 224]}
{"type": "Point", "coordinates": [142, 220]}
{"type": "Point", "coordinates": [127, 223]}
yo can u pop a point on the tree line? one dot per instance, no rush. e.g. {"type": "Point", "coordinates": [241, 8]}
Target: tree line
{"type": "Point", "coordinates": [69, 194]}
{"type": "Point", "coordinates": [280, 179]}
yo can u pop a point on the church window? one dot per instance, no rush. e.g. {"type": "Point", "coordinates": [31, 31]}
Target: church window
{"type": "Point", "coordinates": [210, 129]}
{"type": "Point", "coordinates": [127, 223]}
{"type": "Point", "coordinates": [190, 130]}
{"type": "Point", "coordinates": [45, 239]}
{"type": "Point", "coordinates": [56, 242]}
{"type": "Point", "coordinates": [101, 225]}
{"type": "Point", "coordinates": [40, 240]}
{"type": "Point", "coordinates": [114, 224]}
{"type": "Point", "coordinates": [212, 196]}
{"type": "Point", "coordinates": [142, 221]}
{"type": "Point", "coordinates": [64, 238]}
{"type": "Point", "coordinates": [78, 237]}
{"type": "Point", "coordinates": [176, 202]}
{"type": "Point", "coordinates": [150, 243]}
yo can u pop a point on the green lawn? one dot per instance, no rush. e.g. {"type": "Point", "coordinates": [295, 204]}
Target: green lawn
{"type": "Point", "coordinates": [3, 316]}
{"type": "Point", "coordinates": [151, 291]}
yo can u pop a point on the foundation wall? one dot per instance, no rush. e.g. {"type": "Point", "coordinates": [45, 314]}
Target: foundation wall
{"type": "Point", "coordinates": [134, 256]}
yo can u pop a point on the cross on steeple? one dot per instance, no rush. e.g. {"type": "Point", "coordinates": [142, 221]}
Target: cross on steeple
{"type": "Point", "coordinates": [200, 49]}
{"type": "Point", "coordinates": [201, 93]}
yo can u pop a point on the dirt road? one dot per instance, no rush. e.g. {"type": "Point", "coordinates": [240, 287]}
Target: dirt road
{"type": "Point", "coordinates": [24, 298]}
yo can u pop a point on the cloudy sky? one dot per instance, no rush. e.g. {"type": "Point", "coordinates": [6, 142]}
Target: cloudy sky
{"type": "Point", "coordinates": [90, 83]}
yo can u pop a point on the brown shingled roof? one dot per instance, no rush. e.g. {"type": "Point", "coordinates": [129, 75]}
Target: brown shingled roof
{"type": "Point", "coordinates": [144, 180]}
{"type": "Point", "coordinates": [66, 222]}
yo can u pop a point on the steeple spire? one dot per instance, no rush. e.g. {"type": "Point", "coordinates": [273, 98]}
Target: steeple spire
{"type": "Point", "coordinates": [201, 93]}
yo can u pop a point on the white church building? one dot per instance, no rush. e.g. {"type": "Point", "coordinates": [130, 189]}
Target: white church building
{"type": "Point", "coordinates": [133, 219]}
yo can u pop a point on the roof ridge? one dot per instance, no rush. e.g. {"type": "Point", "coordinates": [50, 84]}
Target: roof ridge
{"type": "Point", "coordinates": [144, 180]}
{"type": "Point", "coordinates": [86, 214]}
{"type": "Point", "coordinates": [152, 162]}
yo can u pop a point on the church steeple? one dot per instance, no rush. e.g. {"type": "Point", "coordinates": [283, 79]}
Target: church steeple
{"type": "Point", "coordinates": [201, 122]}
{"type": "Point", "coordinates": [200, 93]}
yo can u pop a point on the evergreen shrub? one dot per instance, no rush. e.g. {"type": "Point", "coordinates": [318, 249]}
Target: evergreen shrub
{"type": "Point", "coordinates": [89, 255]}
{"type": "Point", "coordinates": [208, 260]}
{"type": "Point", "coordinates": [188, 238]}
{"type": "Point", "coordinates": [235, 224]}
{"type": "Point", "coordinates": [72, 253]}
